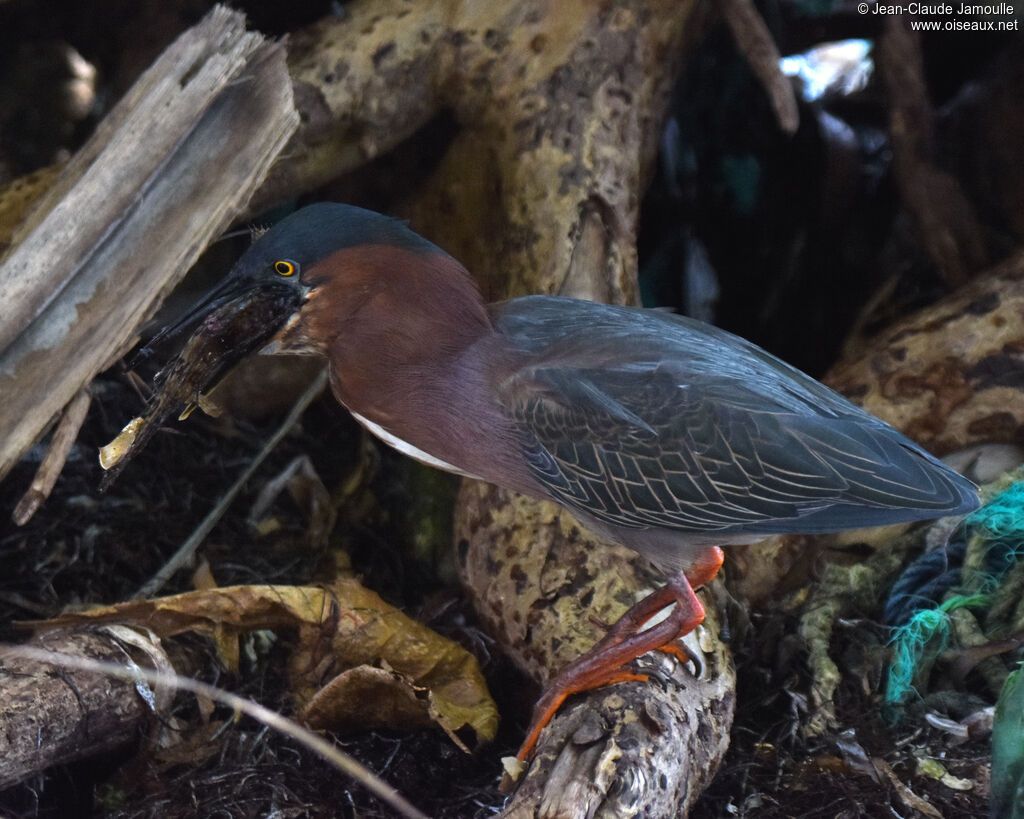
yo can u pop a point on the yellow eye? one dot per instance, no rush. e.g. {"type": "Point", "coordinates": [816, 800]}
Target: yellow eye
{"type": "Point", "coordinates": [285, 268]}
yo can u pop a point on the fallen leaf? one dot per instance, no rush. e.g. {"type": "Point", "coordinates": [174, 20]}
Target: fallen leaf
{"type": "Point", "coordinates": [341, 627]}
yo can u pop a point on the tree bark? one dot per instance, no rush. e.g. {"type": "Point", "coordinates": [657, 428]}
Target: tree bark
{"type": "Point", "coordinates": [53, 716]}
{"type": "Point", "coordinates": [949, 376]}
{"type": "Point", "coordinates": [540, 582]}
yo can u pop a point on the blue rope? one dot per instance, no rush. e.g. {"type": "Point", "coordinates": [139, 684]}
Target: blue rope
{"type": "Point", "coordinates": [926, 631]}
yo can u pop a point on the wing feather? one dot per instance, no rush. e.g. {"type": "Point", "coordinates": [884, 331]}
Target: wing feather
{"type": "Point", "coordinates": [642, 431]}
{"type": "Point", "coordinates": [675, 468]}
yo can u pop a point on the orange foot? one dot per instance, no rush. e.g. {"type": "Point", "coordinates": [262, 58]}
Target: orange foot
{"type": "Point", "coordinates": [607, 662]}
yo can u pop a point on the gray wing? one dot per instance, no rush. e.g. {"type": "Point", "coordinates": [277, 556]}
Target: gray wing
{"type": "Point", "coordinates": [641, 443]}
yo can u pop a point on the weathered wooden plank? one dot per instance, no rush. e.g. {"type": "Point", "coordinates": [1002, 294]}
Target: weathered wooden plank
{"type": "Point", "coordinates": [167, 172]}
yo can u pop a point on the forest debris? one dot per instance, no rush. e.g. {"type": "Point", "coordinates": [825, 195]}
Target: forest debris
{"type": "Point", "coordinates": [184, 553]}
{"type": "Point", "coordinates": [854, 754]}
{"type": "Point", "coordinates": [49, 470]}
{"type": "Point", "coordinates": [111, 236]}
{"type": "Point", "coordinates": [302, 482]}
{"type": "Point", "coordinates": [903, 791]}
{"type": "Point", "coordinates": [81, 714]}
{"type": "Point", "coordinates": [131, 674]}
{"type": "Point", "coordinates": [112, 453]}
{"type": "Point", "coordinates": [370, 698]}
{"type": "Point", "coordinates": [341, 627]}
{"type": "Point", "coordinates": [933, 769]}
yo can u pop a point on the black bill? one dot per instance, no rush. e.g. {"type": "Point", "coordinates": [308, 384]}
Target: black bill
{"type": "Point", "coordinates": [233, 321]}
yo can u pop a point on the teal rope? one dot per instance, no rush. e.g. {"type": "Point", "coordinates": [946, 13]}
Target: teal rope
{"type": "Point", "coordinates": [927, 632]}
{"type": "Point", "coordinates": [1003, 516]}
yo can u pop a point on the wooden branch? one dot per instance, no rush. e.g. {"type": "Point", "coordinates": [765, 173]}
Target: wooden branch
{"type": "Point", "coordinates": [363, 83]}
{"type": "Point", "coordinates": [949, 376]}
{"type": "Point", "coordinates": [56, 717]}
{"type": "Point", "coordinates": [948, 227]}
{"type": "Point", "coordinates": [49, 470]}
{"type": "Point", "coordinates": [540, 582]}
{"type": "Point", "coordinates": [165, 173]}
{"type": "Point", "coordinates": [755, 42]}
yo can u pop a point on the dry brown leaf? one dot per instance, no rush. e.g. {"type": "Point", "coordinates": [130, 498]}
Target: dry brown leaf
{"type": "Point", "coordinates": [339, 628]}
{"type": "Point", "coordinates": [367, 697]}
{"type": "Point", "coordinates": [369, 631]}
{"type": "Point", "coordinates": [371, 697]}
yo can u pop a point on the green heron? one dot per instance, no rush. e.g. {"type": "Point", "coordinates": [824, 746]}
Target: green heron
{"type": "Point", "coordinates": [658, 432]}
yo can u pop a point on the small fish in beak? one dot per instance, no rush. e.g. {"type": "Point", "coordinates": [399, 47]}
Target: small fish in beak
{"type": "Point", "coordinates": [237, 318]}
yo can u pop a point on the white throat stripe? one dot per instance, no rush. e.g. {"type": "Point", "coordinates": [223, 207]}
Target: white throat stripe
{"type": "Point", "coordinates": [408, 449]}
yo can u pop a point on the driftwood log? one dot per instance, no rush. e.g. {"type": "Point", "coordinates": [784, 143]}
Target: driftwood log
{"type": "Point", "coordinates": [951, 375]}
{"type": "Point", "coordinates": [541, 582]}
{"type": "Point", "coordinates": [56, 716]}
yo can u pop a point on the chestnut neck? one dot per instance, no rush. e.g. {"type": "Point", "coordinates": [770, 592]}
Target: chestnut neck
{"type": "Point", "coordinates": [413, 351]}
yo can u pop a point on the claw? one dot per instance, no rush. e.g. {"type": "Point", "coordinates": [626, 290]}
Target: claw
{"type": "Point", "coordinates": [625, 640]}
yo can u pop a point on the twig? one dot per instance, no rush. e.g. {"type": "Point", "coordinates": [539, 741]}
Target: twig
{"type": "Point", "coordinates": [53, 464]}
{"type": "Point", "coordinates": [755, 42]}
{"type": "Point", "coordinates": [948, 226]}
{"type": "Point", "coordinates": [339, 759]}
{"type": "Point", "coordinates": [187, 549]}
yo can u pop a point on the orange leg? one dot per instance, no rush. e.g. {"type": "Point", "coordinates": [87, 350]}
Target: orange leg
{"type": "Point", "coordinates": [606, 662]}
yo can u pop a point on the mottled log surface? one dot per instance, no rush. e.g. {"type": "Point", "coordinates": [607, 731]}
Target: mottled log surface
{"type": "Point", "coordinates": [542, 584]}
{"type": "Point", "coordinates": [950, 375]}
